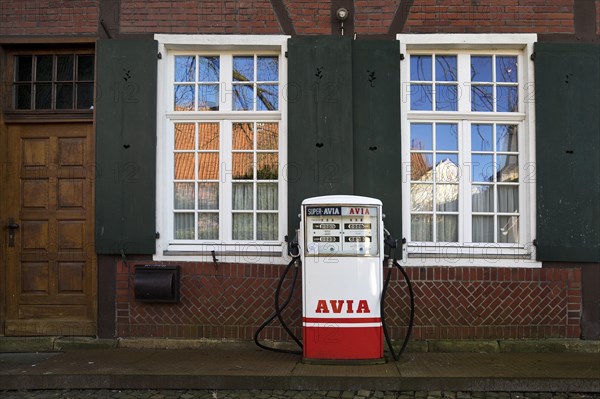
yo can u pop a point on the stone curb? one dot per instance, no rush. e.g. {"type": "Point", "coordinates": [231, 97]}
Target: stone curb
{"type": "Point", "coordinates": [61, 344]}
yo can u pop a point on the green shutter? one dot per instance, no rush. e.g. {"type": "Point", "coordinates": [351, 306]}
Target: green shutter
{"type": "Point", "coordinates": [126, 146]}
{"type": "Point", "coordinates": [376, 117]}
{"type": "Point", "coordinates": [567, 95]}
{"type": "Point", "coordinates": [319, 96]}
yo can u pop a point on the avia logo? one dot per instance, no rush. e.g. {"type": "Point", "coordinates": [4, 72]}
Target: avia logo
{"type": "Point", "coordinates": [341, 305]}
{"type": "Point", "coordinates": [359, 211]}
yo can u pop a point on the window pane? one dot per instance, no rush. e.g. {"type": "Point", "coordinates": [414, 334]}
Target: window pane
{"type": "Point", "coordinates": [421, 197]}
{"type": "Point", "coordinates": [208, 195]}
{"type": "Point", "coordinates": [243, 69]}
{"type": "Point", "coordinates": [184, 226]}
{"type": "Point", "coordinates": [243, 166]}
{"type": "Point", "coordinates": [506, 69]}
{"type": "Point", "coordinates": [208, 166]}
{"type": "Point", "coordinates": [23, 68]}
{"type": "Point", "coordinates": [420, 67]}
{"type": "Point", "coordinates": [266, 226]}
{"type": "Point", "coordinates": [43, 68]}
{"type": "Point", "coordinates": [482, 137]}
{"type": "Point", "coordinates": [507, 99]}
{"type": "Point", "coordinates": [446, 136]}
{"type": "Point", "coordinates": [482, 98]}
{"type": "Point", "coordinates": [23, 96]}
{"type": "Point", "coordinates": [243, 228]}
{"type": "Point", "coordinates": [184, 196]}
{"type": "Point", "coordinates": [447, 168]}
{"type": "Point", "coordinates": [85, 95]}
{"type": "Point", "coordinates": [446, 98]}
{"type": "Point", "coordinates": [185, 136]}
{"type": "Point", "coordinates": [64, 96]}
{"type": "Point", "coordinates": [185, 68]}
{"type": "Point", "coordinates": [506, 138]}
{"type": "Point", "coordinates": [508, 168]}
{"type": "Point", "coordinates": [482, 198]}
{"type": "Point", "coordinates": [243, 136]}
{"type": "Point", "coordinates": [267, 196]}
{"type": "Point", "coordinates": [446, 197]}
{"type": "Point", "coordinates": [242, 196]}
{"type": "Point", "coordinates": [447, 228]}
{"type": "Point", "coordinates": [85, 67]}
{"type": "Point", "coordinates": [267, 168]}
{"type": "Point", "coordinates": [421, 136]}
{"type": "Point", "coordinates": [208, 226]}
{"type": "Point", "coordinates": [267, 136]}
{"type": "Point", "coordinates": [208, 136]}
{"type": "Point", "coordinates": [268, 97]}
{"type": "Point", "coordinates": [209, 69]}
{"type": "Point", "coordinates": [64, 67]}
{"type": "Point", "coordinates": [43, 96]}
{"type": "Point", "coordinates": [508, 229]}
{"type": "Point", "coordinates": [421, 227]}
{"type": "Point", "coordinates": [421, 97]}
{"type": "Point", "coordinates": [243, 97]}
{"type": "Point", "coordinates": [508, 199]}
{"type": "Point", "coordinates": [208, 97]}
{"type": "Point", "coordinates": [184, 166]}
{"type": "Point", "coordinates": [184, 98]}
{"type": "Point", "coordinates": [481, 69]}
{"type": "Point", "coordinates": [268, 69]}
{"type": "Point", "coordinates": [421, 167]}
{"type": "Point", "coordinates": [445, 68]}
{"type": "Point", "coordinates": [483, 168]}
{"type": "Point", "coordinates": [483, 229]}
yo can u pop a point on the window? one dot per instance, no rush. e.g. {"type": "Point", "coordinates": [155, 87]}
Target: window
{"type": "Point", "coordinates": [222, 143]}
{"type": "Point", "coordinates": [53, 81]}
{"type": "Point", "coordinates": [468, 144]}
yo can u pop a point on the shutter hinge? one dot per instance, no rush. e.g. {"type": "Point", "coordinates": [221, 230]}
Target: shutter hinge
{"type": "Point", "coordinates": [286, 54]}
{"type": "Point", "coordinates": [532, 56]}
{"type": "Point", "coordinates": [535, 242]}
{"type": "Point", "coordinates": [401, 57]}
{"type": "Point", "coordinates": [159, 56]}
{"type": "Point", "coordinates": [157, 235]}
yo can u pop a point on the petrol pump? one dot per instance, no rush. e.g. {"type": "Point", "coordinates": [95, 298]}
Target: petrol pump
{"type": "Point", "coordinates": [341, 239]}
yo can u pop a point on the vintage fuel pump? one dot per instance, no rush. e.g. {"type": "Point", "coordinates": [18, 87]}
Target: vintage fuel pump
{"type": "Point", "coordinates": [340, 248]}
{"type": "Point", "coordinates": [340, 243]}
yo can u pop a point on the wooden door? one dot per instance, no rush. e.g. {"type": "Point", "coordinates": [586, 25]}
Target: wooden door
{"type": "Point", "coordinates": [51, 265]}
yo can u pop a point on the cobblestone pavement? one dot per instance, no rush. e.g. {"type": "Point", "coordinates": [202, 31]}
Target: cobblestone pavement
{"type": "Point", "coordinates": [280, 394]}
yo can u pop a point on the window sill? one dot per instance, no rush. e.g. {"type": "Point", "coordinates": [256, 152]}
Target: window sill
{"type": "Point", "coordinates": [225, 253]}
{"type": "Point", "coordinates": [47, 116]}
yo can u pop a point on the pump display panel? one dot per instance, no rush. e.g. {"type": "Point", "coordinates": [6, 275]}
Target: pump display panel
{"type": "Point", "coordinates": [341, 230]}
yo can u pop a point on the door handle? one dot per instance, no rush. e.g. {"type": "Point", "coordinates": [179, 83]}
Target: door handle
{"type": "Point", "coordinates": [12, 227]}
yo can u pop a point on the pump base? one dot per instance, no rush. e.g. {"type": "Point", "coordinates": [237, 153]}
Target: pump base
{"type": "Point", "coordinates": [344, 362]}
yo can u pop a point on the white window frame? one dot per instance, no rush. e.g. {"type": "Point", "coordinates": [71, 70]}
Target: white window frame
{"type": "Point", "coordinates": [167, 248]}
{"type": "Point", "coordinates": [521, 254]}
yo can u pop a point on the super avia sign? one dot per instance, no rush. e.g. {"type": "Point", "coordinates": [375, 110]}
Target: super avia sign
{"type": "Point", "coordinates": [342, 306]}
{"type": "Point", "coordinates": [324, 211]}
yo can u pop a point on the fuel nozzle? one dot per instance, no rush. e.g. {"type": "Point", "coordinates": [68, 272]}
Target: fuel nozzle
{"type": "Point", "coordinates": [293, 246]}
{"type": "Point", "coordinates": [389, 240]}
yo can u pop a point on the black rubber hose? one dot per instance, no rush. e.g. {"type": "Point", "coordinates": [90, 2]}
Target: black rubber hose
{"type": "Point", "coordinates": [278, 311]}
{"type": "Point", "coordinates": [411, 316]}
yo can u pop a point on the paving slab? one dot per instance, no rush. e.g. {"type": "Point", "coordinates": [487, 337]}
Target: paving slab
{"type": "Point", "coordinates": [248, 367]}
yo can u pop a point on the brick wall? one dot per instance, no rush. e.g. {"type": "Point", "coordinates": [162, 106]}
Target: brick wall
{"type": "Point", "coordinates": [45, 17]}
{"type": "Point", "coordinates": [232, 300]}
{"type": "Point", "coordinates": [491, 16]}
{"type": "Point", "coordinates": [374, 17]}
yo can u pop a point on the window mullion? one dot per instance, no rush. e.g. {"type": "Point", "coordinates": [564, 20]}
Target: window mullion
{"type": "Point", "coordinates": [226, 86]}
{"type": "Point", "coordinates": [225, 182]}
{"type": "Point", "coordinates": [464, 82]}
{"type": "Point", "coordinates": [465, 181]}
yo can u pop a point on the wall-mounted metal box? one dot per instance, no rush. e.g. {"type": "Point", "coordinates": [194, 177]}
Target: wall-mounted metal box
{"type": "Point", "coordinates": [154, 283]}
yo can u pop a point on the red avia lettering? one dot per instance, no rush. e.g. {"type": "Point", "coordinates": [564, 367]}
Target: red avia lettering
{"type": "Point", "coordinates": [341, 305]}
{"type": "Point", "coordinates": [359, 211]}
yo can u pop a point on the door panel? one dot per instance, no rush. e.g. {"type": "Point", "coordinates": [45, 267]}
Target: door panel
{"type": "Point", "coordinates": [51, 268]}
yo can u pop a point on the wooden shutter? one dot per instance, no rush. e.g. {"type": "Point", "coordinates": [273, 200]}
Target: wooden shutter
{"type": "Point", "coordinates": [126, 146]}
{"type": "Point", "coordinates": [319, 95]}
{"type": "Point", "coordinates": [567, 95]}
{"type": "Point", "coordinates": [376, 119]}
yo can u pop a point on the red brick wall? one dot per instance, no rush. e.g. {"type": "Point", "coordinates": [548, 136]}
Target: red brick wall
{"type": "Point", "coordinates": [193, 17]}
{"type": "Point", "coordinates": [310, 17]}
{"type": "Point", "coordinates": [374, 17]}
{"type": "Point", "coordinates": [232, 300]}
{"type": "Point", "coordinates": [491, 16]}
{"type": "Point", "coordinates": [45, 17]}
